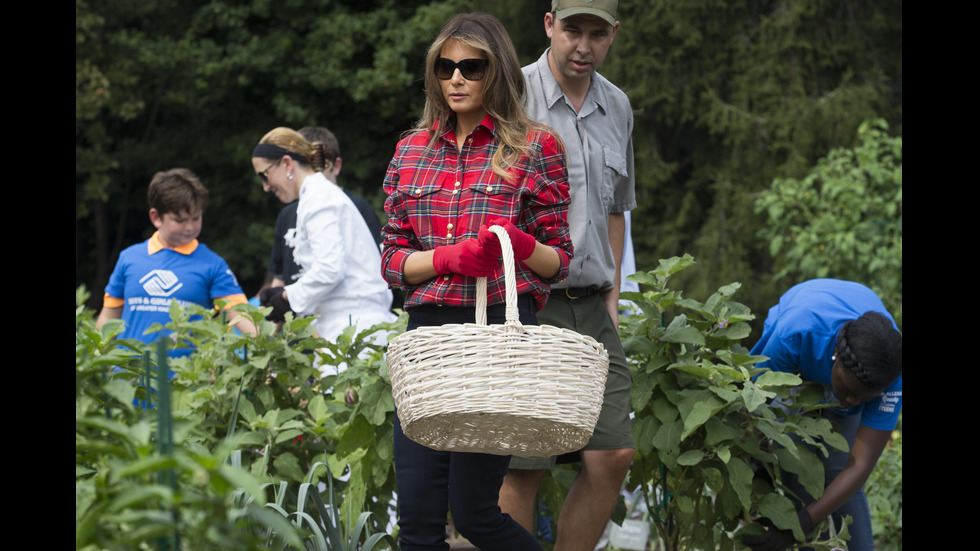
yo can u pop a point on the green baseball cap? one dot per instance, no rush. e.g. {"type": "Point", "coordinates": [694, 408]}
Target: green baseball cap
{"type": "Point", "coordinates": [606, 9]}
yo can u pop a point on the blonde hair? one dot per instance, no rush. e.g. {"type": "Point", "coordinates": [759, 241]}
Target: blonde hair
{"type": "Point", "coordinates": [504, 89]}
{"type": "Point", "coordinates": [301, 151]}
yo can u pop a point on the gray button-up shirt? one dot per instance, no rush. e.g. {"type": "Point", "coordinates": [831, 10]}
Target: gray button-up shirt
{"type": "Point", "coordinates": [599, 144]}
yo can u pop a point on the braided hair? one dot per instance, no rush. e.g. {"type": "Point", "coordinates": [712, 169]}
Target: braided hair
{"type": "Point", "coordinates": [871, 349]}
{"type": "Point", "coordinates": [326, 145]}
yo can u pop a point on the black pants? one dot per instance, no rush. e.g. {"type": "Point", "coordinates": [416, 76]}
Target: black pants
{"type": "Point", "coordinates": [432, 483]}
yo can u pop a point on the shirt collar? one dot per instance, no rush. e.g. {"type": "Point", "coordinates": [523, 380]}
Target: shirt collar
{"type": "Point", "coordinates": [154, 245]}
{"type": "Point", "coordinates": [553, 93]}
{"type": "Point", "coordinates": [450, 134]}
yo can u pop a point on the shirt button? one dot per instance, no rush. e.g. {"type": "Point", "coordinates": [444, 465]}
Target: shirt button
{"type": "Point", "coordinates": [449, 226]}
{"type": "Point", "coordinates": [418, 191]}
{"type": "Point", "coordinates": [458, 184]}
{"type": "Point", "coordinates": [449, 235]}
{"type": "Point", "coordinates": [445, 278]}
{"type": "Point", "coordinates": [489, 189]}
{"type": "Point", "coordinates": [455, 191]}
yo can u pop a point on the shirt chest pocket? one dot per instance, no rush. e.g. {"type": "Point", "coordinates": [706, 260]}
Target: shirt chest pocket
{"type": "Point", "coordinates": [420, 196]}
{"type": "Point", "coordinates": [613, 172]}
{"type": "Point", "coordinates": [496, 198]}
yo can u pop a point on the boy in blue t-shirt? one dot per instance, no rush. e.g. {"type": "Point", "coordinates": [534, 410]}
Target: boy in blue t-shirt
{"type": "Point", "coordinates": [171, 264]}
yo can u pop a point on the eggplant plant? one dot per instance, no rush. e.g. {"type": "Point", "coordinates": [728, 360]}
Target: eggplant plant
{"type": "Point", "coordinates": [142, 482]}
{"type": "Point", "coordinates": [238, 416]}
{"type": "Point", "coordinates": [715, 435]}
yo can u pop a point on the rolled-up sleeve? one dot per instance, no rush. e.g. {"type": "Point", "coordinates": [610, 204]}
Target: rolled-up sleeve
{"type": "Point", "coordinates": [547, 212]}
{"type": "Point", "coordinates": [400, 240]}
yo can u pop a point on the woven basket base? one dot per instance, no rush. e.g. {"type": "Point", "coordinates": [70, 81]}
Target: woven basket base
{"type": "Point", "coordinates": [497, 433]}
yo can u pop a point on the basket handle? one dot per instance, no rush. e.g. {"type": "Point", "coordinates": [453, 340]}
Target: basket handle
{"type": "Point", "coordinates": [511, 312]}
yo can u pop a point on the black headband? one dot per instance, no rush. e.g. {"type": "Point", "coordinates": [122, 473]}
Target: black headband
{"type": "Point", "coordinates": [269, 151]}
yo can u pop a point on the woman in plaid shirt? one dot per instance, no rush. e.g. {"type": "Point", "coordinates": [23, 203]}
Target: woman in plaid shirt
{"type": "Point", "coordinates": [474, 160]}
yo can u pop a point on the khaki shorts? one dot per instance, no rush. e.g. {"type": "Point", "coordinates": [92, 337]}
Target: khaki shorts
{"type": "Point", "coordinates": [588, 316]}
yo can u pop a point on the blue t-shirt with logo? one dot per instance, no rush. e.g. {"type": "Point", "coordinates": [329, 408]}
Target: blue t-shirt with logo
{"type": "Point", "coordinates": [148, 283]}
{"type": "Point", "coordinates": [801, 331]}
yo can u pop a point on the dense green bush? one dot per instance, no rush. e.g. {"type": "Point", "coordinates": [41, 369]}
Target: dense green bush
{"type": "Point", "coordinates": [133, 487]}
{"type": "Point", "coordinates": [844, 218]}
{"type": "Point", "coordinates": [239, 413]}
{"type": "Point", "coordinates": [712, 446]}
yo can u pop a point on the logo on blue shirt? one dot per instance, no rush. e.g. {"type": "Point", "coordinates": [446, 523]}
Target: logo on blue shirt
{"type": "Point", "coordinates": [160, 283]}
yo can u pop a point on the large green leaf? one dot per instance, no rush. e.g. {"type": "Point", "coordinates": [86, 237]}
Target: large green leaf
{"type": "Point", "coordinates": [679, 332]}
{"type": "Point", "coordinates": [806, 466]}
{"type": "Point", "coordinates": [712, 477]}
{"type": "Point", "coordinates": [717, 431]}
{"type": "Point", "coordinates": [641, 392]}
{"type": "Point", "coordinates": [696, 407]}
{"type": "Point", "coordinates": [690, 457]}
{"type": "Point", "coordinates": [781, 511]}
{"type": "Point", "coordinates": [778, 378]}
{"type": "Point", "coordinates": [376, 402]}
{"type": "Point", "coordinates": [644, 431]}
{"type": "Point", "coordinates": [667, 442]}
{"type": "Point", "coordinates": [740, 479]}
{"type": "Point", "coordinates": [754, 396]}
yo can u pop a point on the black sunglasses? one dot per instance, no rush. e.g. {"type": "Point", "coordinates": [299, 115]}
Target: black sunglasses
{"type": "Point", "coordinates": [264, 175]}
{"type": "Point", "coordinates": [471, 69]}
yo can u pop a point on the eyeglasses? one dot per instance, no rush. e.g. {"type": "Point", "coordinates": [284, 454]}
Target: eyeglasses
{"type": "Point", "coordinates": [264, 175]}
{"type": "Point", "coordinates": [471, 69]}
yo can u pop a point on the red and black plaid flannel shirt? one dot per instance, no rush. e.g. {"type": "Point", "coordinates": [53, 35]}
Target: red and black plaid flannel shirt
{"type": "Point", "coordinates": [441, 196]}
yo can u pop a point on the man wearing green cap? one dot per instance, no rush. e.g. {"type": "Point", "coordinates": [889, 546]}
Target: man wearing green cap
{"type": "Point", "coordinates": [594, 119]}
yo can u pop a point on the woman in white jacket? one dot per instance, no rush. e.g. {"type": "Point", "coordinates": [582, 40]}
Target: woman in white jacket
{"type": "Point", "coordinates": [341, 281]}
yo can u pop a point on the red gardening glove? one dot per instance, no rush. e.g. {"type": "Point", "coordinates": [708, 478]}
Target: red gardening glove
{"type": "Point", "coordinates": [522, 243]}
{"type": "Point", "coordinates": [464, 258]}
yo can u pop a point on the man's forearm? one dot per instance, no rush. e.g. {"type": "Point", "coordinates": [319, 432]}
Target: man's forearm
{"type": "Point", "coordinates": [617, 240]}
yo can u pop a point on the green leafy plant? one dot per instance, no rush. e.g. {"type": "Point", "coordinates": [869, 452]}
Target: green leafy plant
{"type": "Point", "coordinates": [132, 490]}
{"type": "Point", "coordinates": [323, 522]}
{"type": "Point", "coordinates": [239, 411]}
{"type": "Point", "coordinates": [294, 397]}
{"type": "Point", "coordinates": [712, 446]}
{"type": "Point", "coordinates": [358, 416]}
{"type": "Point", "coordinates": [255, 387]}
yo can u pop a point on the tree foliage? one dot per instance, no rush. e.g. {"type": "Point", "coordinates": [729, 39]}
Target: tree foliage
{"type": "Point", "coordinates": [844, 218]}
{"type": "Point", "coordinates": [243, 423]}
{"type": "Point", "coordinates": [180, 83]}
{"type": "Point", "coordinates": [732, 94]}
{"type": "Point", "coordinates": [728, 95]}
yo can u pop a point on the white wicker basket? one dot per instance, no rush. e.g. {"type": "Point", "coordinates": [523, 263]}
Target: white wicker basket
{"type": "Point", "coordinates": [505, 389]}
